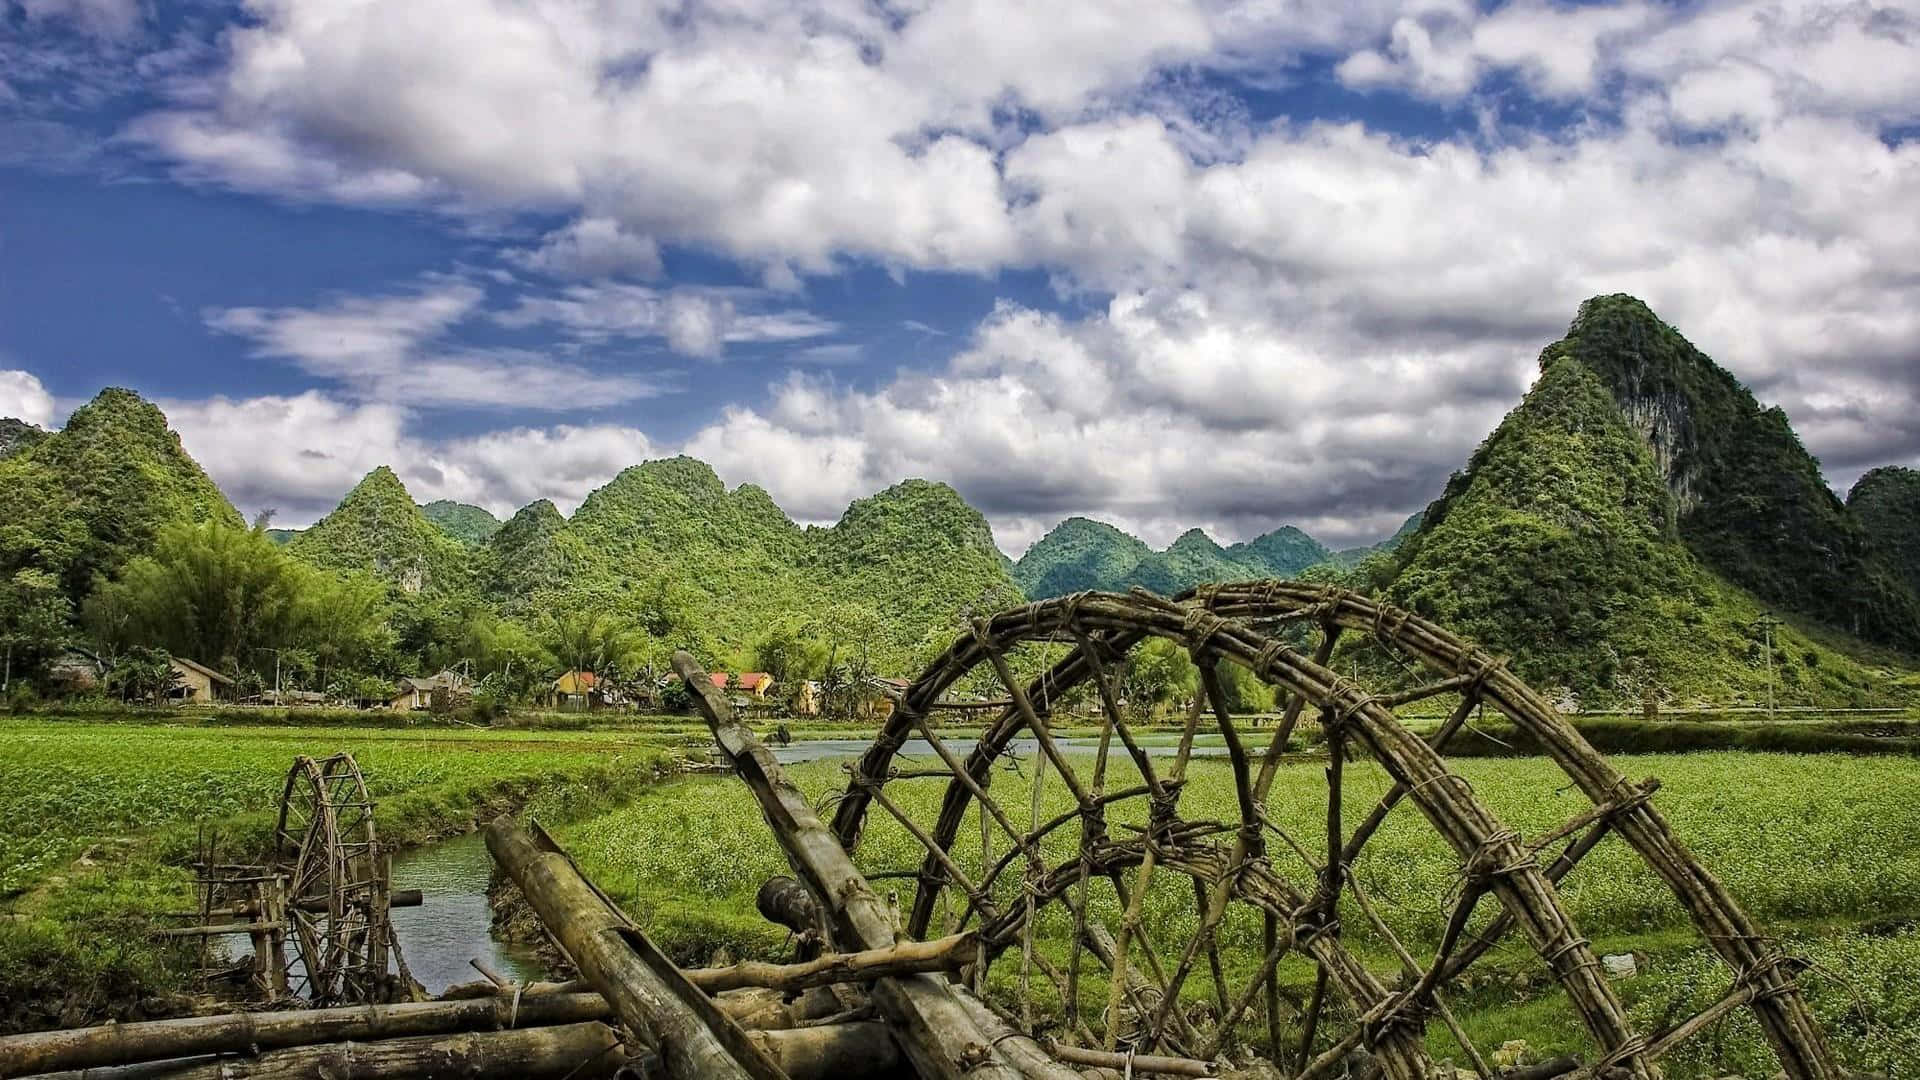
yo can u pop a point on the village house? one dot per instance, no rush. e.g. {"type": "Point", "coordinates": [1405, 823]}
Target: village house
{"type": "Point", "coordinates": [436, 692]}
{"type": "Point", "coordinates": [581, 690]}
{"type": "Point", "coordinates": [197, 684]}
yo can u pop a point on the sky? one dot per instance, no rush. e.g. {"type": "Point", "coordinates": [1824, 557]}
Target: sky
{"type": "Point", "coordinates": [1231, 264]}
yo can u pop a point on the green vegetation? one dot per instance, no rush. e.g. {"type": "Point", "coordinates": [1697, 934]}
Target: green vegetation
{"type": "Point", "coordinates": [470, 525]}
{"type": "Point", "coordinates": [1748, 498]}
{"type": "Point", "coordinates": [1558, 546]}
{"type": "Point", "coordinates": [18, 435]}
{"type": "Point", "coordinates": [377, 529]}
{"type": "Point", "coordinates": [1816, 846]}
{"type": "Point", "coordinates": [97, 821]}
{"type": "Point", "coordinates": [82, 502]}
{"type": "Point", "coordinates": [230, 597]}
{"type": "Point", "coordinates": [1887, 503]}
{"type": "Point", "coordinates": [1080, 553]}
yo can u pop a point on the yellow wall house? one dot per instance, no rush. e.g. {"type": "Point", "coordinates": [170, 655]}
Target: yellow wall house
{"type": "Point", "coordinates": [199, 684]}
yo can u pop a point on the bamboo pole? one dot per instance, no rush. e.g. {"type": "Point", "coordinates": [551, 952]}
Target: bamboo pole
{"type": "Point", "coordinates": [154, 1040]}
{"type": "Point", "coordinates": [936, 1035]}
{"type": "Point", "coordinates": [900, 958]}
{"type": "Point", "coordinates": [696, 1040]}
{"type": "Point", "coordinates": [582, 1051]}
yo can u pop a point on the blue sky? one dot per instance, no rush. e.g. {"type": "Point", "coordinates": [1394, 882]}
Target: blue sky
{"type": "Point", "coordinates": [1224, 263]}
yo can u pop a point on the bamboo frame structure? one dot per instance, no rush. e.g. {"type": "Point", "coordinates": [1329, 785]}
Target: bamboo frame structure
{"type": "Point", "coordinates": [1352, 1007]}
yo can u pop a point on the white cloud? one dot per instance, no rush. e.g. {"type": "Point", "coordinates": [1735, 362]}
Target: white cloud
{"type": "Point", "coordinates": [22, 397]}
{"type": "Point", "coordinates": [392, 348]}
{"type": "Point", "coordinates": [1302, 321]}
{"type": "Point", "coordinates": [694, 321]}
{"type": "Point", "coordinates": [594, 247]}
{"type": "Point", "coordinates": [299, 454]}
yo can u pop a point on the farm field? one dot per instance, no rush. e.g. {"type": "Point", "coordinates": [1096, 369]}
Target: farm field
{"type": "Point", "coordinates": [97, 819]}
{"type": "Point", "coordinates": [1820, 849]}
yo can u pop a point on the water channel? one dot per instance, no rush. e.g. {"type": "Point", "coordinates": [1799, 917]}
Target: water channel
{"type": "Point", "coordinates": [455, 926]}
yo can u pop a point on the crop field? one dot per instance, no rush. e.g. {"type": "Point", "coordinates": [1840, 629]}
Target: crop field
{"type": "Point", "coordinates": [1822, 849]}
{"type": "Point", "coordinates": [65, 786]}
{"type": "Point", "coordinates": [98, 818]}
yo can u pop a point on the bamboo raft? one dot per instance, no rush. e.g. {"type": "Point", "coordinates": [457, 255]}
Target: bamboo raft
{"type": "Point", "coordinates": [876, 994]}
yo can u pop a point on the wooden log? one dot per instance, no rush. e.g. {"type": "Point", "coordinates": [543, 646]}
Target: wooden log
{"type": "Point", "coordinates": [900, 958]}
{"type": "Point", "coordinates": [1137, 1063]}
{"type": "Point", "coordinates": [696, 1040]}
{"type": "Point", "coordinates": [583, 1051]}
{"type": "Point", "coordinates": [863, 1050]}
{"type": "Point", "coordinates": [155, 1040]}
{"type": "Point", "coordinates": [938, 1037]}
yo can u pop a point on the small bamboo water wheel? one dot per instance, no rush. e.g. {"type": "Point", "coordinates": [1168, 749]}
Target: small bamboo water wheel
{"type": "Point", "coordinates": [336, 885]}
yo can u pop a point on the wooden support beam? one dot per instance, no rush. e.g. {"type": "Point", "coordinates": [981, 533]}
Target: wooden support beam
{"type": "Point", "coordinates": [583, 1051]}
{"type": "Point", "coordinates": [696, 1040]}
{"type": "Point", "coordinates": [936, 1035]}
{"type": "Point", "coordinates": [155, 1040]}
{"type": "Point", "coordinates": [901, 958]}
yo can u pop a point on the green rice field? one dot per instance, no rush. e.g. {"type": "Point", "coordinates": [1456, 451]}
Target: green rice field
{"type": "Point", "coordinates": [1823, 850]}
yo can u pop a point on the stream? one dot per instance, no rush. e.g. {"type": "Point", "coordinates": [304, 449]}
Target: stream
{"type": "Point", "coordinates": [454, 925]}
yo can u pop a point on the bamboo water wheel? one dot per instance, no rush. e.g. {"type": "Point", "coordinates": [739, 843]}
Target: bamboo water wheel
{"type": "Point", "coordinates": [336, 885]}
{"type": "Point", "coordinates": [1062, 900]}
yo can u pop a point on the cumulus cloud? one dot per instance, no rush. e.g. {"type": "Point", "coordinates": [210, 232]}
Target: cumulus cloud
{"type": "Point", "coordinates": [593, 247]}
{"type": "Point", "coordinates": [1290, 320]}
{"type": "Point", "coordinates": [298, 454]}
{"type": "Point", "coordinates": [22, 397]}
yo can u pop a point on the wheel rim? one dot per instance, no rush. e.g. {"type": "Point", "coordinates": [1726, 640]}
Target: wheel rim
{"type": "Point", "coordinates": [1229, 862]}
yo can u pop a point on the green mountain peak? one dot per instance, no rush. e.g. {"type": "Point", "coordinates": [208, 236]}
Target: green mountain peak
{"type": "Point", "coordinates": [378, 528]}
{"type": "Point", "coordinates": [83, 500]}
{"type": "Point", "coordinates": [1747, 497]}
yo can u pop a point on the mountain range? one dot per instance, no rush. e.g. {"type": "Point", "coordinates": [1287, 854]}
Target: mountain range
{"type": "Point", "coordinates": [1631, 527]}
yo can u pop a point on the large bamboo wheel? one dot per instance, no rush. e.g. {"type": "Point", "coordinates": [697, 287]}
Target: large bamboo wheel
{"type": "Point", "coordinates": [336, 902]}
{"type": "Point", "coordinates": [1131, 839]}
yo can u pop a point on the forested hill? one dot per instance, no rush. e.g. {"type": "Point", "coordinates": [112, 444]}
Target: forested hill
{"type": "Point", "coordinates": [81, 502]}
{"type": "Point", "coordinates": [1887, 503]}
{"type": "Point", "coordinates": [1746, 496]}
{"type": "Point", "coordinates": [1591, 535]}
{"type": "Point", "coordinates": [1080, 553]}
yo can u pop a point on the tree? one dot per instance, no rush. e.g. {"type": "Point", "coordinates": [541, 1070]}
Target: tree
{"type": "Point", "coordinates": [143, 674]}
{"type": "Point", "coordinates": [229, 596]}
{"type": "Point", "coordinates": [34, 619]}
{"type": "Point", "coordinates": [588, 640]}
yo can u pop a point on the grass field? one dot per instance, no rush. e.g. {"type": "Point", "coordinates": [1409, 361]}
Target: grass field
{"type": "Point", "coordinates": [96, 819]}
{"type": "Point", "coordinates": [1824, 849]}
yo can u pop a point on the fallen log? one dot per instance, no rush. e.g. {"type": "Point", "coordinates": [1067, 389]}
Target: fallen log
{"type": "Point", "coordinates": [900, 958]}
{"type": "Point", "coordinates": [696, 1040]}
{"type": "Point", "coordinates": [156, 1040]}
{"type": "Point", "coordinates": [584, 1051]}
{"type": "Point", "coordinates": [935, 1033]}
{"type": "Point", "coordinates": [863, 1050]}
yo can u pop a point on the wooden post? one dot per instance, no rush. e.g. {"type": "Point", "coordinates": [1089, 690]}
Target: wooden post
{"type": "Point", "coordinates": [696, 1040]}
{"type": "Point", "coordinates": [937, 1035]}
